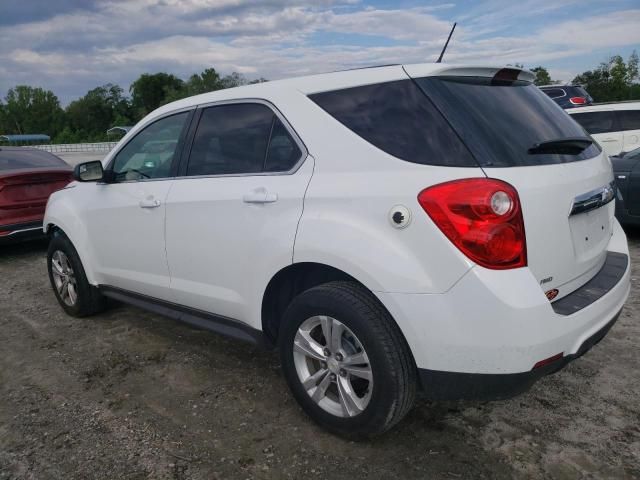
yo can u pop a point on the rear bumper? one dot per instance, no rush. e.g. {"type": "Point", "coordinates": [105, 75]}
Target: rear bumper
{"type": "Point", "coordinates": [483, 337]}
{"type": "Point", "coordinates": [20, 232]}
{"type": "Point", "coordinates": [439, 385]}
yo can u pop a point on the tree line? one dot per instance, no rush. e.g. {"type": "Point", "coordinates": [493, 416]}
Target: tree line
{"type": "Point", "coordinates": [27, 109]}
{"type": "Point", "coordinates": [612, 81]}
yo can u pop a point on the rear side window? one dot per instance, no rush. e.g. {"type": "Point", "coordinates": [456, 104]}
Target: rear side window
{"type": "Point", "coordinates": [241, 138]}
{"type": "Point", "coordinates": [596, 122]}
{"type": "Point", "coordinates": [554, 92]}
{"type": "Point", "coordinates": [629, 119]}
{"type": "Point", "coordinates": [501, 121]}
{"type": "Point", "coordinates": [282, 153]}
{"type": "Point", "coordinates": [398, 119]}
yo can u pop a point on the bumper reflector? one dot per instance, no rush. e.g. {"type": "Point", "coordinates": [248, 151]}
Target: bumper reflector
{"type": "Point", "coordinates": [549, 360]}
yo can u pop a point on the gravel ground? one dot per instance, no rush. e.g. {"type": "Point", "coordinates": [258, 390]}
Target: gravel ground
{"type": "Point", "coordinates": [128, 394]}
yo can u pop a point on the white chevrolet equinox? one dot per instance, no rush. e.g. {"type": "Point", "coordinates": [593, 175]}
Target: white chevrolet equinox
{"type": "Point", "coordinates": [435, 229]}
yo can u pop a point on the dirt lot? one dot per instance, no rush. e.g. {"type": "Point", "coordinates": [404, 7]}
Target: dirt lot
{"type": "Point", "coordinates": [128, 394]}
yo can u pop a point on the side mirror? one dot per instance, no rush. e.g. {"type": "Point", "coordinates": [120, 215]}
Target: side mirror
{"type": "Point", "coordinates": [89, 171]}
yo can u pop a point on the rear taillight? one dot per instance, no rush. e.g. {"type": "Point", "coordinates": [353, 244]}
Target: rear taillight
{"type": "Point", "coordinates": [577, 100]}
{"type": "Point", "coordinates": [482, 217]}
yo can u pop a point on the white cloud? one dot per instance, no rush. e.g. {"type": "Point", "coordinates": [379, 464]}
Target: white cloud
{"type": "Point", "coordinates": [118, 40]}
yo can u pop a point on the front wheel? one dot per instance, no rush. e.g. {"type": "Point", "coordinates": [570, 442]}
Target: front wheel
{"type": "Point", "coordinates": [346, 360]}
{"type": "Point", "coordinates": [72, 289]}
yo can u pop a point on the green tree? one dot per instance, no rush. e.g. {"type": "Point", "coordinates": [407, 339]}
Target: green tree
{"type": "Point", "coordinates": [613, 80]}
{"type": "Point", "coordinates": [32, 110]}
{"type": "Point", "coordinates": [632, 67]}
{"type": "Point", "coordinates": [542, 76]}
{"type": "Point", "coordinates": [234, 80]}
{"type": "Point", "coordinates": [98, 111]}
{"type": "Point", "coordinates": [150, 91]}
{"type": "Point", "coordinates": [207, 81]}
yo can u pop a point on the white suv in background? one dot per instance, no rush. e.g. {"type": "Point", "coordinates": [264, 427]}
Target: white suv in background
{"type": "Point", "coordinates": [616, 126]}
{"type": "Point", "coordinates": [434, 228]}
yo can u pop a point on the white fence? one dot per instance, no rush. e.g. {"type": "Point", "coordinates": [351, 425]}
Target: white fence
{"type": "Point", "coordinates": [104, 147]}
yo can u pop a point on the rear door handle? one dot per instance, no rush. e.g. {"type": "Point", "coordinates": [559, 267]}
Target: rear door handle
{"type": "Point", "coordinates": [260, 195]}
{"type": "Point", "coordinates": [149, 203]}
{"type": "Point", "coordinates": [609, 140]}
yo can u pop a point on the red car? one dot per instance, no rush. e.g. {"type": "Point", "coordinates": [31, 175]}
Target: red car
{"type": "Point", "coordinates": [27, 177]}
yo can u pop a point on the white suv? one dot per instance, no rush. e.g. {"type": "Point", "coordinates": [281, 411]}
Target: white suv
{"type": "Point", "coordinates": [433, 228]}
{"type": "Point", "coordinates": [616, 125]}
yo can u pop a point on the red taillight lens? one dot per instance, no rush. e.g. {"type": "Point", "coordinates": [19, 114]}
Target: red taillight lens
{"type": "Point", "coordinates": [482, 217]}
{"type": "Point", "coordinates": [578, 100]}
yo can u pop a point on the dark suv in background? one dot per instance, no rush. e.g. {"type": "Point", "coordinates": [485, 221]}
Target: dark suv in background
{"type": "Point", "coordinates": [568, 96]}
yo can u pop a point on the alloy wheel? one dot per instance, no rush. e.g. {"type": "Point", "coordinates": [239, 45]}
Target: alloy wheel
{"type": "Point", "coordinates": [64, 278]}
{"type": "Point", "coordinates": [333, 366]}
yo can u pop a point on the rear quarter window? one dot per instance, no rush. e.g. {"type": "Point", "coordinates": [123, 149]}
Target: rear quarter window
{"type": "Point", "coordinates": [629, 119]}
{"type": "Point", "coordinates": [398, 119]}
{"type": "Point", "coordinates": [596, 122]}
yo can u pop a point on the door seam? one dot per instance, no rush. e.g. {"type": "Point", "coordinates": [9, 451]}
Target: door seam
{"type": "Point", "coordinates": [304, 199]}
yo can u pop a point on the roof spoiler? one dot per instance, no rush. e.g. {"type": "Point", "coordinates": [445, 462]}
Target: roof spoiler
{"type": "Point", "coordinates": [498, 73]}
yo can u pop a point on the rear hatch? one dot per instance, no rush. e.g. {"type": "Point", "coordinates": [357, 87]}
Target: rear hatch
{"type": "Point", "coordinates": [519, 135]}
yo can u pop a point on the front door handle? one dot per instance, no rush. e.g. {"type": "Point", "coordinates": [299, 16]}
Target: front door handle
{"type": "Point", "coordinates": [149, 202]}
{"type": "Point", "coordinates": [260, 195]}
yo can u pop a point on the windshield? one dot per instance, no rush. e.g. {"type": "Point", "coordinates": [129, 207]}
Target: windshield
{"type": "Point", "coordinates": [501, 121]}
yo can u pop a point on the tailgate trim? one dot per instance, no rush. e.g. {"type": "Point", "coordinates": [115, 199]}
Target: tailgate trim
{"type": "Point", "coordinates": [594, 199]}
{"type": "Point", "coordinates": [608, 277]}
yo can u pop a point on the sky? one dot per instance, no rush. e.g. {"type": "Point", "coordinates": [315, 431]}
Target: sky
{"type": "Point", "coordinates": [72, 46]}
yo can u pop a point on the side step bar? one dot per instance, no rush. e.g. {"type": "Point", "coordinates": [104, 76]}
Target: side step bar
{"type": "Point", "coordinates": [197, 318]}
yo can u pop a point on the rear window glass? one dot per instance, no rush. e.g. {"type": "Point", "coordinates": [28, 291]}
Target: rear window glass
{"type": "Point", "coordinates": [501, 121]}
{"type": "Point", "coordinates": [12, 158]}
{"type": "Point", "coordinates": [629, 119]}
{"type": "Point", "coordinates": [554, 92]}
{"type": "Point", "coordinates": [398, 119]}
{"type": "Point", "coordinates": [596, 122]}
{"type": "Point", "coordinates": [582, 93]}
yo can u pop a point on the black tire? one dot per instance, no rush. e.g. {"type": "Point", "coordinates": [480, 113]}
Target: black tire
{"type": "Point", "coordinates": [391, 362]}
{"type": "Point", "coordinates": [89, 300]}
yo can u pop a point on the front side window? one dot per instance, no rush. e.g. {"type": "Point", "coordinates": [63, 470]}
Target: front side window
{"type": "Point", "coordinates": [596, 122]}
{"type": "Point", "coordinates": [629, 119]}
{"type": "Point", "coordinates": [151, 153]}
{"type": "Point", "coordinates": [241, 138]}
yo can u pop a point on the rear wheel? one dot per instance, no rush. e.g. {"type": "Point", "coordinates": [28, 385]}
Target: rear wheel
{"type": "Point", "coordinates": [72, 289]}
{"type": "Point", "coordinates": [346, 360]}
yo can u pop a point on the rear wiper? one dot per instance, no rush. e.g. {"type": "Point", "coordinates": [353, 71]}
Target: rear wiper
{"type": "Point", "coordinates": [566, 146]}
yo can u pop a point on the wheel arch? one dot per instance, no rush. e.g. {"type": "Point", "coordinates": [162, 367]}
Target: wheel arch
{"type": "Point", "coordinates": [52, 227]}
{"type": "Point", "coordinates": [292, 280]}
